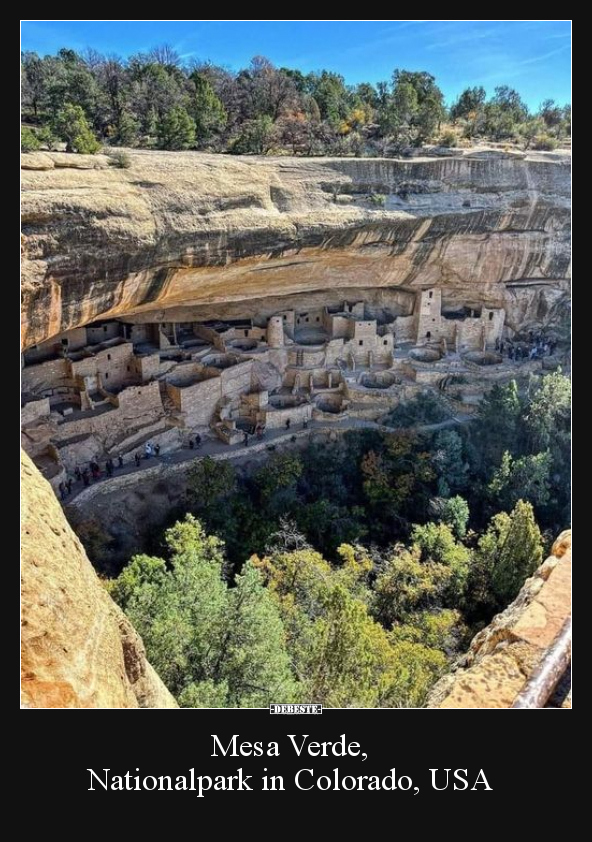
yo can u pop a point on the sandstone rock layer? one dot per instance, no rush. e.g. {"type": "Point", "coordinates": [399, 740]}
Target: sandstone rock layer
{"type": "Point", "coordinates": [78, 648]}
{"type": "Point", "coordinates": [503, 656]}
{"type": "Point", "coordinates": [196, 235]}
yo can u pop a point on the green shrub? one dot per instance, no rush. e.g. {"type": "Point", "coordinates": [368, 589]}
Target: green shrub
{"type": "Point", "coordinates": [448, 139]}
{"type": "Point", "coordinates": [71, 125]}
{"type": "Point", "coordinates": [422, 409]}
{"type": "Point", "coordinates": [29, 140]}
{"type": "Point", "coordinates": [121, 160]}
{"type": "Point", "coordinates": [545, 142]}
{"type": "Point", "coordinates": [48, 138]}
{"type": "Point", "coordinates": [377, 199]}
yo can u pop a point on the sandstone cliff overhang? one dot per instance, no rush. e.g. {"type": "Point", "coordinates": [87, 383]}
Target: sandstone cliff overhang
{"type": "Point", "coordinates": [187, 230]}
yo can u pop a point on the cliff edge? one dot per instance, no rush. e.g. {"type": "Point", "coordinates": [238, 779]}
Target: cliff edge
{"type": "Point", "coordinates": [78, 648]}
{"type": "Point", "coordinates": [503, 656]}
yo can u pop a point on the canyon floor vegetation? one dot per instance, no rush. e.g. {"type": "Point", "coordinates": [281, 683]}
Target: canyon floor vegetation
{"type": "Point", "coordinates": [352, 574]}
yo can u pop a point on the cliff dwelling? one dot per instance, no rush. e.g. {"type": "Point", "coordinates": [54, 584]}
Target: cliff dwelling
{"type": "Point", "coordinates": [208, 312]}
{"type": "Point", "coordinates": [104, 390]}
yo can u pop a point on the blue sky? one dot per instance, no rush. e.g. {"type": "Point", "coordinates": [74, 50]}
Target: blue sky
{"type": "Point", "coordinates": [532, 56]}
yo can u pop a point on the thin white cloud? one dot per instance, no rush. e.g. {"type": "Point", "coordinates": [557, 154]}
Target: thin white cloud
{"type": "Point", "coordinates": [462, 38]}
{"type": "Point", "coordinates": [545, 56]}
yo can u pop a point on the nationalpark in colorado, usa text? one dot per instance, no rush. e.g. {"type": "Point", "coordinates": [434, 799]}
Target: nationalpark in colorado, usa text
{"type": "Point", "coordinates": [304, 779]}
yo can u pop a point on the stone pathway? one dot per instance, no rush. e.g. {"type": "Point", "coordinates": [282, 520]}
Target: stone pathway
{"type": "Point", "coordinates": [220, 450]}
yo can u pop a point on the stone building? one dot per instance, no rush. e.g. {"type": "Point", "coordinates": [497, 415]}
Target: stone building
{"type": "Point", "coordinates": [464, 329]}
{"type": "Point", "coordinates": [110, 386]}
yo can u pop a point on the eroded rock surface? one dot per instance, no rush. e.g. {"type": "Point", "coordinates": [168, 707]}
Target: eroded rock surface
{"type": "Point", "coordinates": [78, 648]}
{"type": "Point", "coordinates": [504, 655]}
{"type": "Point", "coordinates": [196, 235]}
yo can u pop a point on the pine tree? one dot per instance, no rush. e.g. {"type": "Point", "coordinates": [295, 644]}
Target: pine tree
{"type": "Point", "coordinates": [206, 109]}
{"type": "Point", "coordinates": [127, 129]}
{"type": "Point", "coordinates": [71, 125]}
{"type": "Point", "coordinates": [176, 129]}
{"type": "Point", "coordinates": [507, 553]}
{"type": "Point", "coordinates": [208, 642]}
{"type": "Point", "coordinates": [29, 140]}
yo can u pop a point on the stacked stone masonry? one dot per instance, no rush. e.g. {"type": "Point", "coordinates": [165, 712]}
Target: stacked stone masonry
{"type": "Point", "coordinates": [104, 390]}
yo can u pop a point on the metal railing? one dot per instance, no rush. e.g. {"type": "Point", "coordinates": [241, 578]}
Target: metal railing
{"type": "Point", "coordinates": [540, 686]}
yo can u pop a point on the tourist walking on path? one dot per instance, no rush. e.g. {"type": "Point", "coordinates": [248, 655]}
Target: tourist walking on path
{"type": "Point", "coordinates": [197, 440]}
{"type": "Point", "coordinates": [62, 490]}
{"type": "Point", "coordinates": [157, 450]}
{"type": "Point", "coordinates": [85, 478]}
{"type": "Point", "coordinates": [69, 483]}
{"type": "Point", "coordinates": [148, 450]}
{"type": "Point", "coordinates": [77, 474]}
{"type": "Point", "coordinates": [246, 439]}
{"type": "Point", "coordinates": [120, 460]}
{"type": "Point", "coordinates": [288, 422]}
{"type": "Point", "coordinates": [137, 459]}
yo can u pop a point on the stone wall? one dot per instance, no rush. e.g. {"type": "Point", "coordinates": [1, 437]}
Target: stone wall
{"type": "Point", "coordinates": [96, 334]}
{"type": "Point", "coordinates": [72, 340]}
{"type": "Point", "coordinates": [309, 356]}
{"type": "Point", "coordinates": [146, 367]}
{"type": "Point", "coordinates": [361, 330]}
{"type": "Point", "coordinates": [337, 326]}
{"type": "Point", "coordinates": [470, 334]}
{"type": "Point", "coordinates": [142, 333]}
{"type": "Point", "coordinates": [33, 410]}
{"type": "Point", "coordinates": [429, 315]}
{"type": "Point", "coordinates": [494, 325]}
{"type": "Point", "coordinates": [308, 319]}
{"type": "Point", "coordinates": [288, 318]}
{"type": "Point", "coordinates": [277, 418]}
{"type": "Point", "coordinates": [504, 655]}
{"type": "Point", "coordinates": [236, 380]}
{"type": "Point", "coordinates": [137, 406]}
{"type": "Point", "coordinates": [405, 328]}
{"type": "Point", "coordinates": [46, 377]}
{"type": "Point", "coordinates": [113, 366]}
{"type": "Point", "coordinates": [198, 401]}
{"type": "Point", "coordinates": [208, 334]}
{"type": "Point", "coordinates": [78, 452]}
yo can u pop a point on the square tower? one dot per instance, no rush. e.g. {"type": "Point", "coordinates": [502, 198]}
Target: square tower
{"type": "Point", "coordinates": [430, 315]}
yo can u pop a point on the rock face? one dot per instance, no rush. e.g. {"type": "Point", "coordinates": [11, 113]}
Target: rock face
{"type": "Point", "coordinates": [200, 236]}
{"type": "Point", "coordinates": [78, 648]}
{"type": "Point", "coordinates": [503, 655]}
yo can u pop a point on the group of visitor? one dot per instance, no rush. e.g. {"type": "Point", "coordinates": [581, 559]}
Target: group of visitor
{"type": "Point", "coordinates": [536, 348]}
{"type": "Point", "coordinates": [151, 450]}
{"type": "Point", "coordinates": [93, 472]}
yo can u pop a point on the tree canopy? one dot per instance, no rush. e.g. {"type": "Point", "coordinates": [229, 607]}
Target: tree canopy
{"type": "Point", "coordinates": [352, 572]}
{"type": "Point", "coordinates": [155, 100]}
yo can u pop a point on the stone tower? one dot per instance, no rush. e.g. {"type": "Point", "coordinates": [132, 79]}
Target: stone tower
{"type": "Point", "coordinates": [275, 332]}
{"type": "Point", "coordinates": [429, 321]}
